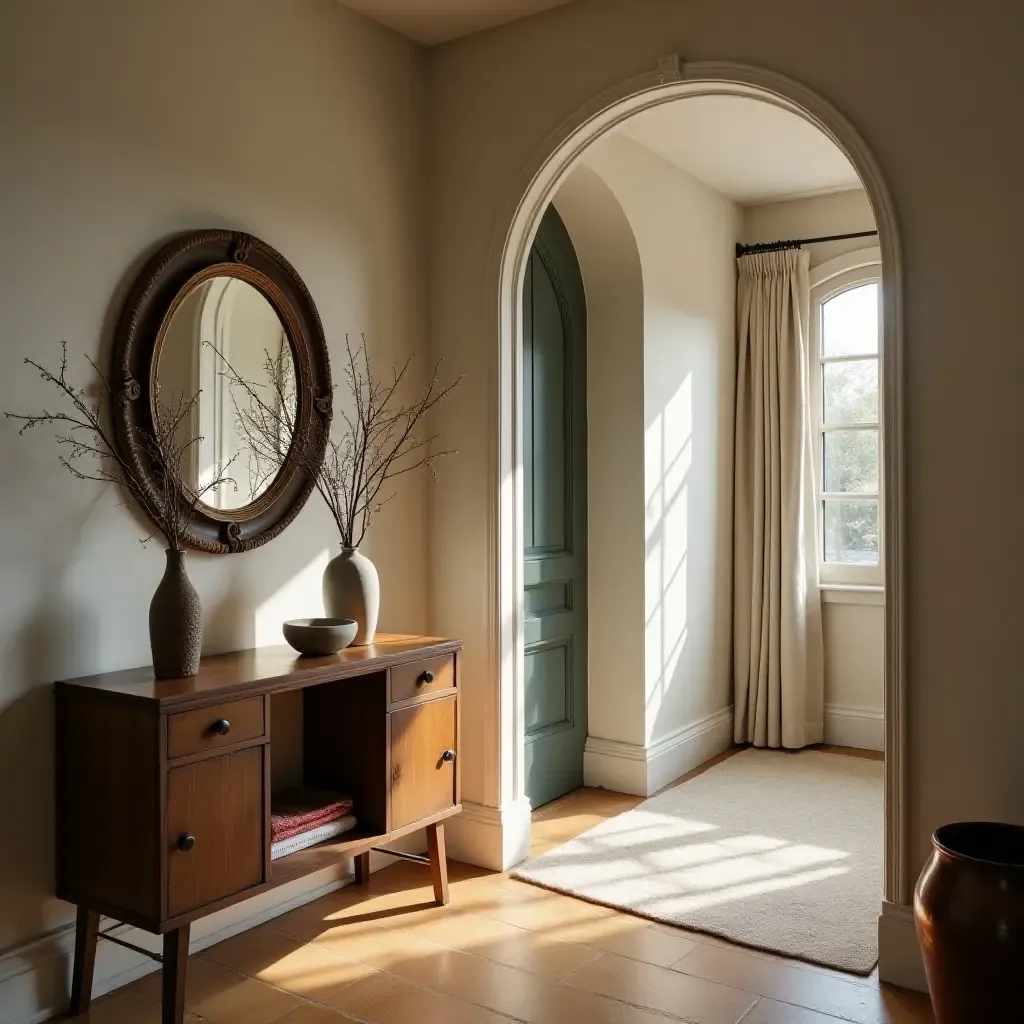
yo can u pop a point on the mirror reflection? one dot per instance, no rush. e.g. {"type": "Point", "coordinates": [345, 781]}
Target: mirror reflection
{"type": "Point", "coordinates": [226, 323]}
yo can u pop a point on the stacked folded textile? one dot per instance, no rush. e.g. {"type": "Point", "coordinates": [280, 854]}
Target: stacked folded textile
{"type": "Point", "coordinates": [301, 810]}
{"type": "Point", "coordinates": [303, 840]}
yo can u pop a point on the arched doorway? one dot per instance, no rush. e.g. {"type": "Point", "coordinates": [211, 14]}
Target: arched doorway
{"type": "Point", "coordinates": [552, 165]}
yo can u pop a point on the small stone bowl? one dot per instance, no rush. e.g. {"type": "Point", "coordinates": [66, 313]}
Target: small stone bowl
{"type": "Point", "coordinates": [319, 637]}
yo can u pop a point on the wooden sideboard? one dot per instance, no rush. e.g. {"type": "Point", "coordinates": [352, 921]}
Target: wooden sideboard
{"type": "Point", "coordinates": [165, 788]}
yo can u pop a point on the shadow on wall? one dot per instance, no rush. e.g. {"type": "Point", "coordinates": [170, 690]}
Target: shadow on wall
{"type": "Point", "coordinates": [685, 233]}
{"type": "Point", "coordinates": [51, 637]}
{"type": "Point", "coordinates": [613, 282]}
{"type": "Point", "coordinates": [655, 242]}
{"type": "Point", "coordinates": [688, 519]}
{"type": "Point", "coordinates": [75, 601]}
{"type": "Point", "coordinates": [668, 451]}
{"type": "Point", "coordinates": [43, 630]}
{"type": "Point", "coordinates": [103, 160]}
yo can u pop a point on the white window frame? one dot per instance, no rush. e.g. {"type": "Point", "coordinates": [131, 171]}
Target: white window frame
{"type": "Point", "coordinates": [862, 266]}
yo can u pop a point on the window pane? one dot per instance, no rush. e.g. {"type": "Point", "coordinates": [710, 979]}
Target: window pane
{"type": "Point", "coordinates": [851, 462]}
{"type": "Point", "coordinates": [849, 322]}
{"type": "Point", "coordinates": [851, 531]}
{"type": "Point", "coordinates": [849, 392]}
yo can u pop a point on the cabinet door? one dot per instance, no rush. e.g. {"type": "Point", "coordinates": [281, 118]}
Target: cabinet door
{"type": "Point", "coordinates": [214, 829]}
{"type": "Point", "coordinates": [422, 761]}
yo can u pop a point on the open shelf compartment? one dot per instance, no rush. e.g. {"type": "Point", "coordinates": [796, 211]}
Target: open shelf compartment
{"type": "Point", "coordinates": [333, 737]}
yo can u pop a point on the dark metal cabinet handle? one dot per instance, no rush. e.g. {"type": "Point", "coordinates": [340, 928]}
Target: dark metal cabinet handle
{"type": "Point", "coordinates": [186, 841]}
{"type": "Point", "coordinates": [221, 727]}
{"type": "Point", "coordinates": [425, 677]}
{"type": "Point", "coordinates": [448, 755]}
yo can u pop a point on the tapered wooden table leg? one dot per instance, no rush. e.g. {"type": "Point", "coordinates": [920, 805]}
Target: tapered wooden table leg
{"type": "Point", "coordinates": [175, 971]}
{"type": "Point", "coordinates": [438, 863]}
{"type": "Point", "coordinates": [362, 865]}
{"type": "Point", "coordinates": [87, 929]}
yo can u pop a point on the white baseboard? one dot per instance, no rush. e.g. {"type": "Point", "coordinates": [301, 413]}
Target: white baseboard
{"type": "Point", "coordinates": [686, 748]}
{"type": "Point", "coordinates": [490, 837]}
{"type": "Point", "coordinates": [847, 726]}
{"type": "Point", "coordinates": [35, 978]}
{"type": "Point", "coordinates": [899, 952]}
{"type": "Point", "coordinates": [643, 770]}
{"type": "Point", "coordinates": [611, 764]}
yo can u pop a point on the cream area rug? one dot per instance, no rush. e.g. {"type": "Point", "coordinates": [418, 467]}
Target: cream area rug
{"type": "Point", "coordinates": [776, 850]}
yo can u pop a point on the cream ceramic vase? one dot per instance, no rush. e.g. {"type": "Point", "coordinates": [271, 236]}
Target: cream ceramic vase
{"type": "Point", "coordinates": [352, 591]}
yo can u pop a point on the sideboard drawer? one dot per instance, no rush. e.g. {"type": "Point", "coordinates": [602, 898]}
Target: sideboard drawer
{"type": "Point", "coordinates": [421, 679]}
{"type": "Point", "coordinates": [214, 829]}
{"type": "Point", "coordinates": [422, 760]}
{"type": "Point", "coordinates": [192, 732]}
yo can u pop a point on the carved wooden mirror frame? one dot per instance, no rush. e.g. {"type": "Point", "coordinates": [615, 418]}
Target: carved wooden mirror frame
{"type": "Point", "coordinates": [167, 278]}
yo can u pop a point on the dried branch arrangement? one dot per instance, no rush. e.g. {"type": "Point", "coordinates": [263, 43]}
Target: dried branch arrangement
{"type": "Point", "coordinates": [266, 419]}
{"type": "Point", "coordinates": [382, 440]}
{"type": "Point", "coordinates": [90, 451]}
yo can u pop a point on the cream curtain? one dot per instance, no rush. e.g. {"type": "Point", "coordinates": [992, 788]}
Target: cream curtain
{"type": "Point", "coordinates": [777, 647]}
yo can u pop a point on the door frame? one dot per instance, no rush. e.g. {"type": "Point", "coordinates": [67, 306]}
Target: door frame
{"type": "Point", "coordinates": [673, 80]}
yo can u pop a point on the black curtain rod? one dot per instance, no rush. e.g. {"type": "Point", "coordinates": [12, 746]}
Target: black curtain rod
{"type": "Point", "coordinates": [795, 243]}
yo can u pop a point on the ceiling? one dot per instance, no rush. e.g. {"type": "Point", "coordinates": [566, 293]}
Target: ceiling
{"type": "Point", "coordinates": [436, 21]}
{"type": "Point", "coordinates": [751, 152]}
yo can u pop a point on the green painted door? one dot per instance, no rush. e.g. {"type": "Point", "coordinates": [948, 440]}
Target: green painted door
{"type": "Point", "coordinates": [555, 514]}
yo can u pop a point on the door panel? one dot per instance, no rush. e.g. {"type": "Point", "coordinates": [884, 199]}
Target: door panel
{"type": "Point", "coordinates": [548, 687]}
{"type": "Point", "coordinates": [554, 514]}
{"type": "Point", "coordinates": [544, 399]}
{"type": "Point", "coordinates": [219, 803]}
{"type": "Point", "coordinates": [422, 780]}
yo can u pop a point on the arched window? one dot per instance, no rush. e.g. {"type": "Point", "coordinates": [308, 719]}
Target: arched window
{"type": "Point", "coordinates": [845, 389]}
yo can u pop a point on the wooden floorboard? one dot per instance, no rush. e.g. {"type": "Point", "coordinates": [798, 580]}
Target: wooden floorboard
{"type": "Point", "coordinates": [503, 951]}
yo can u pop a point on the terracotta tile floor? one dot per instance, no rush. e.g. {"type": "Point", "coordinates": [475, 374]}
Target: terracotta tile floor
{"type": "Point", "coordinates": [502, 951]}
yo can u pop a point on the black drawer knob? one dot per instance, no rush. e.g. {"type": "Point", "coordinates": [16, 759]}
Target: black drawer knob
{"type": "Point", "coordinates": [425, 677]}
{"type": "Point", "coordinates": [221, 727]}
{"type": "Point", "coordinates": [186, 841]}
{"type": "Point", "coordinates": [448, 755]}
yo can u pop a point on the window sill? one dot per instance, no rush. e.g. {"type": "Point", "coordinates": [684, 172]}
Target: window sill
{"type": "Point", "coordinates": [850, 593]}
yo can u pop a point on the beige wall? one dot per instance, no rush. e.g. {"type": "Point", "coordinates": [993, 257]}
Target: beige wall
{"type": "Point", "coordinates": [937, 99]}
{"type": "Point", "coordinates": [124, 123]}
{"type": "Point", "coordinates": [613, 282]}
{"type": "Point", "coordinates": [854, 636]}
{"type": "Point", "coordinates": [854, 632]}
{"type": "Point", "coordinates": [656, 250]}
{"type": "Point", "coordinates": [838, 213]}
{"type": "Point", "coordinates": [685, 233]}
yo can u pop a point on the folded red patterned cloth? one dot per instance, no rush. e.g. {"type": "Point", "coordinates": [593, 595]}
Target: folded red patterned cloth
{"type": "Point", "coordinates": [280, 832]}
{"type": "Point", "coordinates": [300, 810]}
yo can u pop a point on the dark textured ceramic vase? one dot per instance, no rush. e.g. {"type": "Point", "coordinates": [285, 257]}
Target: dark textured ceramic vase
{"type": "Point", "coordinates": [175, 622]}
{"type": "Point", "coordinates": [969, 906]}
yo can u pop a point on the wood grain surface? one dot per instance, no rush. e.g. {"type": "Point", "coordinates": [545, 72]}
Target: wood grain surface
{"type": "Point", "coordinates": [422, 783]}
{"type": "Point", "coordinates": [192, 732]}
{"type": "Point", "coordinates": [261, 669]}
{"type": "Point", "coordinates": [421, 680]}
{"type": "Point", "coordinates": [219, 801]}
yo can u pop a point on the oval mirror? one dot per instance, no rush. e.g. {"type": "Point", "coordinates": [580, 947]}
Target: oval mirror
{"type": "Point", "coordinates": [217, 329]}
{"type": "Point", "coordinates": [225, 324]}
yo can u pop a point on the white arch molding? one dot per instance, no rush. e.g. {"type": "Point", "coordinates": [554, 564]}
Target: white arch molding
{"type": "Point", "coordinates": [537, 185]}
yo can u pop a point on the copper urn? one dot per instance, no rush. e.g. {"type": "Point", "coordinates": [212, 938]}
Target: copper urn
{"type": "Point", "coordinates": [969, 906]}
